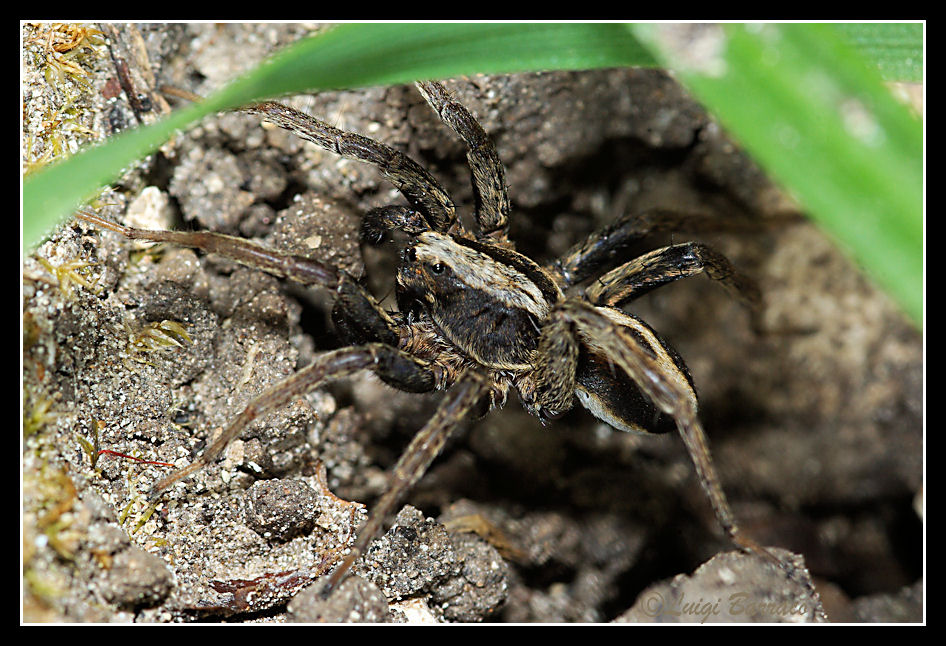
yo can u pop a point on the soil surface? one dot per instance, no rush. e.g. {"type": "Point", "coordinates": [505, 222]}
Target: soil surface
{"type": "Point", "coordinates": [815, 422]}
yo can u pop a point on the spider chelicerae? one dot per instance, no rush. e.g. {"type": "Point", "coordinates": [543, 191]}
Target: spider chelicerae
{"type": "Point", "coordinates": [477, 319]}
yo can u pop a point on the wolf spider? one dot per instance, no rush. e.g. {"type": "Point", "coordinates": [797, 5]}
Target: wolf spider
{"type": "Point", "coordinates": [476, 318]}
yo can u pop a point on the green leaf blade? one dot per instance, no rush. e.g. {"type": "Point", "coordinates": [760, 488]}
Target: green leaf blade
{"type": "Point", "coordinates": [817, 117]}
{"type": "Point", "coordinates": [896, 48]}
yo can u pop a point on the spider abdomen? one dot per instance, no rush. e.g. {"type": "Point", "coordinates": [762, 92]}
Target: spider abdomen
{"type": "Point", "coordinates": [610, 394]}
{"type": "Point", "coordinates": [613, 398]}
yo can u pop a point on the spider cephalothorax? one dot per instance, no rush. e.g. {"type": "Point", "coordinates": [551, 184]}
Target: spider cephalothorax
{"type": "Point", "coordinates": [476, 318]}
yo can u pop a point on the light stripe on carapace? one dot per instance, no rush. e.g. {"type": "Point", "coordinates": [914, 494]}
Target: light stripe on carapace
{"type": "Point", "coordinates": [488, 301]}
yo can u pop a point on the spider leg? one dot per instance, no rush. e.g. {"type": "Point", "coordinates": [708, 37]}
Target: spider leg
{"type": "Point", "coordinates": [356, 313]}
{"type": "Point", "coordinates": [358, 317]}
{"type": "Point", "coordinates": [420, 188]}
{"type": "Point", "coordinates": [377, 222]}
{"type": "Point", "coordinates": [413, 463]}
{"type": "Point", "coordinates": [488, 173]}
{"type": "Point", "coordinates": [548, 390]}
{"type": "Point", "coordinates": [662, 266]}
{"type": "Point", "coordinates": [298, 268]}
{"type": "Point", "coordinates": [599, 249]}
{"type": "Point", "coordinates": [409, 373]}
{"type": "Point", "coordinates": [639, 353]}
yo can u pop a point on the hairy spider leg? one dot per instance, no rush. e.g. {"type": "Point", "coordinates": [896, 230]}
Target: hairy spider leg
{"type": "Point", "coordinates": [357, 314]}
{"type": "Point", "coordinates": [658, 374]}
{"type": "Point", "coordinates": [660, 381]}
{"type": "Point", "coordinates": [359, 318]}
{"type": "Point", "coordinates": [420, 188]}
{"type": "Point", "coordinates": [411, 374]}
{"type": "Point", "coordinates": [487, 170]}
{"type": "Point", "coordinates": [457, 404]}
{"type": "Point", "coordinates": [378, 222]}
{"type": "Point", "coordinates": [549, 389]}
{"type": "Point", "coordinates": [599, 250]}
{"type": "Point", "coordinates": [297, 268]}
{"type": "Point", "coordinates": [656, 370]}
{"type": "Point", "coordinates": [649, 362]}
{"type": "Point", "coordinates": [662, 266]}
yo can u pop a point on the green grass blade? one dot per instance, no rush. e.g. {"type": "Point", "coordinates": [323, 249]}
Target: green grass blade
{"type": "Point", "coordinates": [895, 48]}
{"type": "Point", "coordinates": [811, 111]}
{"type": "Point", "coordinates": [349, 55]}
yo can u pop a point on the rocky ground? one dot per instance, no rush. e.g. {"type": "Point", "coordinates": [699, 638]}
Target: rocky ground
{"type": "Point", "coordinates": [815, 423]}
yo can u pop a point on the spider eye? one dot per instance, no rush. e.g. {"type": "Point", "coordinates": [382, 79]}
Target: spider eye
{"type": "Point", "coordinates": [438, 268]}
{"type": "Point", "coordinates": [411, 254]}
